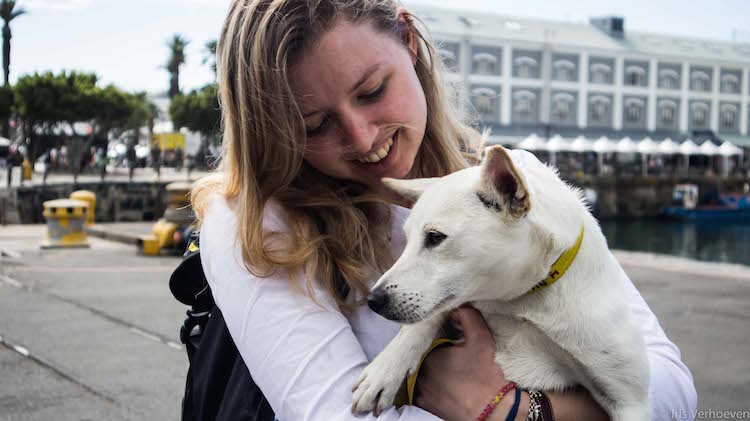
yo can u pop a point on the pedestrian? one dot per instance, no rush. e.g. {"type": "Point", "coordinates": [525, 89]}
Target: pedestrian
{"type": "Point", "coordinates": [320, 99]}
{"type": "Point", "coordinates": [130, 156]}
{"type": "Point", "coordinates": [156, 159]}
{"type": "Point", "coordinates": [178, 158]}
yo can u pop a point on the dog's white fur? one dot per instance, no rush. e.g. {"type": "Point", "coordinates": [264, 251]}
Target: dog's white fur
{"type": "Point", "coordinates": [578, 331]}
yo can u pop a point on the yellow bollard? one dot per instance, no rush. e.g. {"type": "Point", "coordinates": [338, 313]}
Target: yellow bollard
{"type": "Point", "coordinates": [26, 169]}
{"type": "Point", "coordinates": [65, 219]}
{"type": "Point", "coordinates": [90, 198]}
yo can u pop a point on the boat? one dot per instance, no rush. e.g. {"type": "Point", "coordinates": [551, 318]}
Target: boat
{"type": "Point", "coordinates": [713, 207]}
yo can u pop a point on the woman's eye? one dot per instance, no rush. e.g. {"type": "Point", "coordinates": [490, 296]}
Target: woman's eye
{"type": "Point", "coordinates": [374, 95]}
{"type": "Point", "coordinates": [320, 129]}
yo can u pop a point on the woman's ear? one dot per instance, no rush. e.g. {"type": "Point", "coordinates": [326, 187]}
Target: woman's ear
{"type": "Point", "coordinates": [406, 21]}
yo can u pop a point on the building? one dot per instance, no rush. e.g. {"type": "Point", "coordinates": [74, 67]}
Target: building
{"type": "Point", "coordinates": [522, 76]}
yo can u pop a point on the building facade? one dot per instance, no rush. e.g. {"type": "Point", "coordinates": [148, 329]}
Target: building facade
{"type": "Point", "coordinates": [522, 75]}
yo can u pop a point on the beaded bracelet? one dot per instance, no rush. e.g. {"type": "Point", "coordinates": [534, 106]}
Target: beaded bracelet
{"type": "Point", "coordinates": [495, 400]}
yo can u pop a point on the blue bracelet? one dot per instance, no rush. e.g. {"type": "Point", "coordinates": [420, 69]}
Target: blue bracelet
{"type": "Point", "coordinates": [514, 409]}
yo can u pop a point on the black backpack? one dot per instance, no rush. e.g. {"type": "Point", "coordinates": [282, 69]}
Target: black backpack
{"type": "Point", "coordinates": [218, 385]}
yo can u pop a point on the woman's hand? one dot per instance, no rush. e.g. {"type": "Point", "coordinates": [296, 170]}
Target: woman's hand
{"type": "Point", "coordinates": [457, 382]}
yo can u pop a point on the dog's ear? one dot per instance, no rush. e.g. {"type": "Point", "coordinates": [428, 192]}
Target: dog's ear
{"type": "Point", "coordinates": [503, 183]}
{"type": "Point", "coordinates": [410, 189]}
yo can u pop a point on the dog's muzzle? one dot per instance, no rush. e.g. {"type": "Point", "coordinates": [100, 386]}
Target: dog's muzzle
{"type": "Point", "coordinates": [378, 300]}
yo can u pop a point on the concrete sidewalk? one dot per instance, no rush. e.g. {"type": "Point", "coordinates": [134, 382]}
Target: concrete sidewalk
{"type": "Point", "coordinates": [93, 333]}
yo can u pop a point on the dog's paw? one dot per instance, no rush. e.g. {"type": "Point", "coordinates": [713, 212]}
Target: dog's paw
{"type": "Point", "coordinates": [377, 386]}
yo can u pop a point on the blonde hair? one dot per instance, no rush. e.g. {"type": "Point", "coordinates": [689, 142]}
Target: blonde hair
{"type": "Point", "coordinates": [338, 230]}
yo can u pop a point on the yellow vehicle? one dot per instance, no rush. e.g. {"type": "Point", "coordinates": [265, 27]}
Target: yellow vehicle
{"type": "Point", "coordinates": [169, 141]}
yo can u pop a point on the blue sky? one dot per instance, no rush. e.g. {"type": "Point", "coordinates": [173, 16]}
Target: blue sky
{"type": "Point", "coordinates": [124, 41]}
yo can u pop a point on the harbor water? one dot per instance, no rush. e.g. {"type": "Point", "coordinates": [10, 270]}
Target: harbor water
{"type": "Point", "coordinates": [723, 242]}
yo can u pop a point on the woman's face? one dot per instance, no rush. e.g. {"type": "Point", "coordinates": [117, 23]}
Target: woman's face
{"type": "Point", "coordinates": [364, 108]}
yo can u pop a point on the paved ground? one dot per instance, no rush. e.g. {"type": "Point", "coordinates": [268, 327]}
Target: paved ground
{"type": "Point", "coordinates": [92, 333]}
{"type": "Point", "coordinates": [113, 174]}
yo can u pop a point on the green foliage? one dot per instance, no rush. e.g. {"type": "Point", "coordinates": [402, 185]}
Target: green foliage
{"type": "Point", "coordinates": [198, 110]}
{"type": "Point", "coordinates": [6, 102]}
{"type": "Point", "coordinates": [8, 10]}
{"type": "Point", "coordinates": [49, 99]}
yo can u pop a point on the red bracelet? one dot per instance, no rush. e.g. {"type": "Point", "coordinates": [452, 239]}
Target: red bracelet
{"type": "Point", "coordinates": [495, 400]}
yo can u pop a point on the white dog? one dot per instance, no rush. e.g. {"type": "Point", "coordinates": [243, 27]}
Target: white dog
{"type": "Point", "coordinates": [488, 235]}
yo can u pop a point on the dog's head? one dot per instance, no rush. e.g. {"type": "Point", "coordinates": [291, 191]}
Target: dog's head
{"type": "Point", "coordinates": [468, 239]}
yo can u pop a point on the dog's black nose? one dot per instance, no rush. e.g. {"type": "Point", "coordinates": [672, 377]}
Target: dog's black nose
{"type": "Point", "coordinates": [377, 299]}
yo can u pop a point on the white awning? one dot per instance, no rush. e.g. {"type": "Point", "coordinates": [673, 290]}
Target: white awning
{"type": "Point", "coordinates": [669, 147]}
{"type": "Point", "coordinates": [4, 142]}
{"type": "Point", "coordinates": [581, 144]}
{"type": "Point", "coordinates": [648, 146]}
{"type": "Point", "coordinates": [625, 145]}
{"type": "Point", "coordinates": [604, 145]}
{"type": "Point", "coordinates": [728, 149]}
{"type": "Point", "coordinates": [689, 147]}
{"type": "Point", "coordinates": [533, 143]}
{"type": "Point", "coordinates": [558, 144]}
{"type": "Point", "coordinates": [708, 148]}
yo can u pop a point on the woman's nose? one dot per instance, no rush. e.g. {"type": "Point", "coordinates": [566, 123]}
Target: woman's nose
{"type": "Point", "coordinates": [359, 133]}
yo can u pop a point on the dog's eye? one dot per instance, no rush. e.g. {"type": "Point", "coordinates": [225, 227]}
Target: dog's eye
{"type": "Point", "coordinates": [433, 238]}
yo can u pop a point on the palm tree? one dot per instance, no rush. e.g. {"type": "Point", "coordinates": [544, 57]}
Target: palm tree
{"type": "Point", "coordinates": [209, 55]}
{"type": "Point", "coordinates": [8, 14]}
{"type": "Point", "coordinates": [176, 59]}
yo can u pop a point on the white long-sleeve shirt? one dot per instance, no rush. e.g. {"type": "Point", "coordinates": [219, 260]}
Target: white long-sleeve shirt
{"type": "Point", "coordinates": [306, 358]}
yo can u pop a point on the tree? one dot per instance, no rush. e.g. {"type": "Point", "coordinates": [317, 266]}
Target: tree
{"type": "Point", "coordinates": [8, 12]}
{"type": "Point", "coordinates": [144, 112]}
{"type": "Point", "coordinates": [176, 59]}
{"type": "Point", "coordinates": [198, 111]}
{"type": "Point", "coordinates": [209, 55]}
{"type": "Point", "coordinates": [6, 103]}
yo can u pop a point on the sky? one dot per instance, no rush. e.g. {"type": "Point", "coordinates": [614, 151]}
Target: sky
{"type": "Point", "coordinates": [125, 41]}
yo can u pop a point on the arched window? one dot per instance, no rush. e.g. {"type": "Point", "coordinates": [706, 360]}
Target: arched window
{"type": "Point", "coordinates": [667, 112]}
{"type": "Point", "coordinates": [728, 116]}
{"type": "Point", "coordinates": [526, 67]}
{"type": "Point", "coordinates": [730, 84]}
{"type": "Point", "coordinates": [634, 109]}
{"type": "Point", "coordinates": [599, 106]}
{"type": "Point", "coordinates": [700, 80]}
{"type": "Point", "coordinates": [635, 76]}
{"type": "Point", "coordinates": [485, 63]}
{"type": "Point", "coordinates": [523, 104]}
{"type": "Point", "coordinates": [669, 79]}
{"type": "Point", "coordinates": [562, 106]}
{"type": "Point", "coordinates": [482, 100]}
{"type": "Point", "coordinates": [564, 70]}
{"type": "Point", "coordinates": [600, 73]}
{"type": "Point", "coordinates": [699, 114]}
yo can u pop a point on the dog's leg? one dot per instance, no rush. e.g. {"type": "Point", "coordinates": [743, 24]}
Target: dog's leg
{"type": "Point", "coordinates": [379, 382]}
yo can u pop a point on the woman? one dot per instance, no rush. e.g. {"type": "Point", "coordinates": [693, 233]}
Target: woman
{"type": "Point", "coordinates": [320, 100]}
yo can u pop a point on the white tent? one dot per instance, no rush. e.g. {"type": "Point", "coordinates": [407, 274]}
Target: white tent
{"type": "Point", "coordinates": [729, 149]}
{"type": "Point", "coordinates": [4, 142]}
{"type": "Point", "coordinates": [555, 145]}
{"type": "Point", "coordinates": [604, 145]}
{"type": "Point", "coordinates": [581, 144]}
{"type": "Point", "coordinates": [625, 145]}
{"type": "Point", "coordinates": [708, 148]}
{"type": "Point", "coordinates": [689, 147]}
{"type": "Point", "coordinates": [533, 143]}
{"type": "Point", "coordinates": [668, 147]}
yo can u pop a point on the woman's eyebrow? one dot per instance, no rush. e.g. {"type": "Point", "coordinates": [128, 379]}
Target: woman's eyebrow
{"type": "Point", "coordinates": [368, 72]}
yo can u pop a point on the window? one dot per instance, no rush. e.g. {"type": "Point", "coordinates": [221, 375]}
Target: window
{"type": "Point", "coordinates": [564, 70]}
{"type": "Point", "coordinates": [667, 112]}
{"type": "Point", "coordinates": [599, 109]}
{"type": "Point", "coordinates": [729, 117]}
{"type": "Point", "coordinates": [449, 59]}
{"type": "Point", "coordinates": [669, 79]}
{"type": "Point", "coordinates": [523, 104]}
{"type": "Point", "coordinates": [634, 110]}
{"type": "Point", "coordinates": [562, 106]}
{"type": "Point", "coordinates": [526, 67]}
{"type": "Point", "coordinates": [601, 73]}
{"type": "Point", "coordinates": [485, 64]}
{"type": "Point", "coordinates": [699, 112]}
{"type": "Point", "coordinates": [730, 84]}
{"type": "Point", "coordinates": [635, 76]}
{"type": "Point", "coordinates": [700, 81]}
{"type": "Point", "coordinates": [482, 98]}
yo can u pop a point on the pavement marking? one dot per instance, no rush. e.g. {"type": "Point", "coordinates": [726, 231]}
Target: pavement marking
{"type": "Point", "coordinates": [145, 334]}
{"type": "Point", "coordinates": [48, 365]}
{"type": "Point", "coordinates": [10, 281]}
{"type": "Point", "coordinates": [175, 345]}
